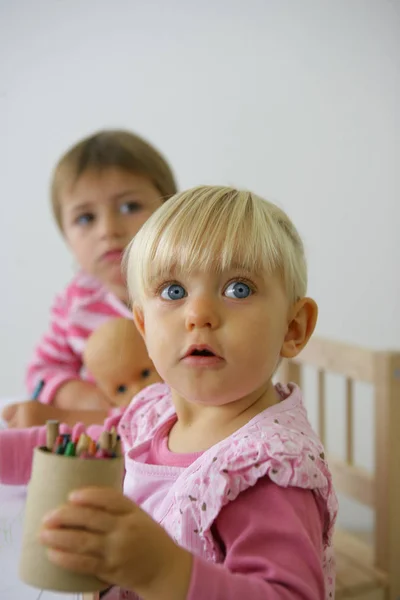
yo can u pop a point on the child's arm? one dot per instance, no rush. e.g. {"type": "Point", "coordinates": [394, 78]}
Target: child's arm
{"type": "Point", "coordinates": [16, 452]}
{"type": "Point", "coordinates": [273, 543]}
{"type": "Point", "coordinates": [272, 538]}
{"type": "Point", "coordinates": [33, 413]}
{"type": "Point", "coordinates": [59, 366]}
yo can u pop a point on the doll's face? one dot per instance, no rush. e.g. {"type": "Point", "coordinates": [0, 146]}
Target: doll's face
{"type": "Point", "coordinates": [127, 379]}
{"type": "Point", "coordinates": [116, 357]}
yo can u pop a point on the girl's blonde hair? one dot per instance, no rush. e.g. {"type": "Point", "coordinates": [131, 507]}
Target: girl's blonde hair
{"type": "Point", "coordinates": [217, 228]}
{"type": "Point", "coordinates": [111, 148]}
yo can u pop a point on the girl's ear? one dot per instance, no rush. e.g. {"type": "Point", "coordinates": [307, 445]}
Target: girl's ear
{"type": "Point", "coordinates": [138, 318]}
{"type": "Point", "coordinates": [301, 325]}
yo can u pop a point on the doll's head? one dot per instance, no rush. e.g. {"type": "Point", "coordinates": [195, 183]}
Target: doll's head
{"type": "Point", "coordinates": [116, 356]}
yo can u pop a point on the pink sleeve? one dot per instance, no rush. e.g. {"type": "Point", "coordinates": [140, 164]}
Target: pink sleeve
{"type": "Point", "coordinates": [272, 538]}
{"type": "Point", "coordinates": [16, 452]}
{"type": "Point", "coordinates": [54, 361]}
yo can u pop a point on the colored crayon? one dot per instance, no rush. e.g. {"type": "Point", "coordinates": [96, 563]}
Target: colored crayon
{"type": "Point", "coordinates": [52, 431]}
{"type": "Point", "coordinates": [83, 444]}
{"type": "Point", "coordinates": [92, 448]}
{"type": "Point", "coordinates": [66, 438]}
{"type": "Point", "coordinates": [70, 450]}
{"type": "Point", "coordinates": [113, 436]}
{"type": "Point", "coordinates": [118, 447]}
{"type": "Point", "coordinates": [105, 441]}
{"type": "Point", "coordinates": [37, 390]}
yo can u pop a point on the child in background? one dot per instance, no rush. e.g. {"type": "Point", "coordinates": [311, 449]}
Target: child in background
{"type": "Point", "coordinates": [103, 190]}
{"type": "Point", "coordinates": [227, 491]}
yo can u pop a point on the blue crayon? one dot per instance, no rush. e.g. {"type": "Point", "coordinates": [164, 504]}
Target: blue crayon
{"type": "Point", "coordinates": [37, 390]}
{"type": "Point", "coordinates": [66, 438]}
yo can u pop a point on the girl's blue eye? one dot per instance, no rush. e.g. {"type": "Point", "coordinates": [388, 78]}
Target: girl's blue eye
{"type": "Point", "coordinates": [238, 290]}
{"type": "Point", "coordinates": [130, 207]}
{"type": "Point", "coordinates": [173, 291]}
{"type": "Point", "coordinates": [85, 219]}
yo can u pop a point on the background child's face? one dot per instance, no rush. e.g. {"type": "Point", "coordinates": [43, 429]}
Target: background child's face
{"type": "Point", "coordinates": [242, 318]}
{"type": "Point", "coordinates": [101, 213]}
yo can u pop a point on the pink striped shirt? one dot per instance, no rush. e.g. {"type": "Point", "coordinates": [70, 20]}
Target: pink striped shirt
{"type": "Point", "coordinates": [76, 313]}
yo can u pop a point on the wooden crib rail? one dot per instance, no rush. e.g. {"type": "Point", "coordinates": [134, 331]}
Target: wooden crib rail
{"type": "Point", "coordinates": [353, 362]}
{"type": "Point", "coordinates": [380, 490]}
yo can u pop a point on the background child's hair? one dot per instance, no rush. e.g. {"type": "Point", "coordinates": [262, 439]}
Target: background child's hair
{"type": "Point", "coordinates": [111, 148]}
{"type": "Point", "coordinates": [217, 228]}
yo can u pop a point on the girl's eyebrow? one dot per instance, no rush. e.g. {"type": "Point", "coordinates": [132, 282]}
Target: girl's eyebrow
{"type": "Point", "coordinates": [157, 278]}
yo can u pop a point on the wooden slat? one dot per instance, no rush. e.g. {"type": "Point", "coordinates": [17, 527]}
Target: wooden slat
{"type": "Point", "coordinates": [355, 569]}
{"type": "Point", "coordinates": [351, 578]}
{"type": "Point", "coordinates": [349, 422]}
{"type": "Point", "coordinates": [387, 403]}
{"type": "Point", "coordinates": [382, 416]}
{"type": "Point", "coordinates": [370, 595]}
{"type": "Point", "coordinates": [353, 481]}
{"type": "Point", "coordinates": [351, 361]}
{"type": "Point", "coordinates": [321, 406]}
{"type": "Point", "coordinates": [351, 544]}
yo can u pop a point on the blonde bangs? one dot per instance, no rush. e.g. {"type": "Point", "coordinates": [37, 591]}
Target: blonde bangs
{"type": "Point", "coordinates": [210, 229]}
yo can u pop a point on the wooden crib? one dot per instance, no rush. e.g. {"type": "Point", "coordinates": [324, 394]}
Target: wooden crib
{"type": "Point", "coordinates": [367, 569]}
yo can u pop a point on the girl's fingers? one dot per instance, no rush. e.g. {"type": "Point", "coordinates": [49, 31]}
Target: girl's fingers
{"type": "Point", "coordinates": [78, 563]}
{"type": "Point", "coordinates": [9, 412]}
{"type": "Point", "coordinates": [80, 517]}
{"type": "Point", "coordinates": [74, 541]}
{"type": "Point", "coordinates": [107, 499]}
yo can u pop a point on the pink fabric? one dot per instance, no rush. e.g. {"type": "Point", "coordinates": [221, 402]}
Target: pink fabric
{"type": "Point", "coordinates": [77, 312]}
{"type": "Point", "coordinates": [160, 454]}
{"type": "Point", "coordinates": [273, 548]}
{"type": "Point", "coordinates": [277, 446]}
{"type": "Point", "coordinates": [256, 531]}
{"type": "Point", "coordinates": [255, 539]}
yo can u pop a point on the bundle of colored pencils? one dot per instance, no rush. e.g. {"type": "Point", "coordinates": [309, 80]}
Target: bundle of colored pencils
{"type": "Point", "coordinates": [108, 446]}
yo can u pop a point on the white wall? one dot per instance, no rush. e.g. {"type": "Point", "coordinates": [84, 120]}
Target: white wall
{"type": "Point", "coordinates": [296, 100]}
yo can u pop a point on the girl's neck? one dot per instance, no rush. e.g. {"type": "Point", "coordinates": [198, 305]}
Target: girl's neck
{"type": "Point", "coordinates": [199, 427]}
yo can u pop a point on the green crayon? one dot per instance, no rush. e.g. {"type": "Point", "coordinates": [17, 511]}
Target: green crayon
{"type": "Point", "coordinates": [70, 449]}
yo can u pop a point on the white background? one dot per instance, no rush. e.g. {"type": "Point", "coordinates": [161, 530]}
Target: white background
{"type": "Point", "coordinates": [296, 100]}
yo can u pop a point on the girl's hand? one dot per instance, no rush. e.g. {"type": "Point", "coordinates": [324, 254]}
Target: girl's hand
{"type": "Point", "coordinates": [32, 413]}
{"type": "Point", "coordinates": [101, 532]}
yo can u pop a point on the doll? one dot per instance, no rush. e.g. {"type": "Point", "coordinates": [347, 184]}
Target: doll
{"type": "Point", "coordinates": [116, 357]}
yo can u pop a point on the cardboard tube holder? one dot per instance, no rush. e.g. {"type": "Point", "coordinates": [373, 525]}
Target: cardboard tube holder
{"type": "Point", "coordinates": [53, 478]}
